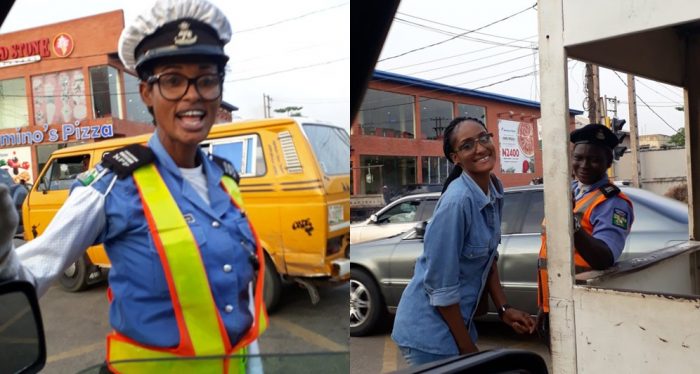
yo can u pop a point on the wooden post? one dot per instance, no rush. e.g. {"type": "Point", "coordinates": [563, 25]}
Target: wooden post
{"type": "Point", "coordinates": [634, 133]}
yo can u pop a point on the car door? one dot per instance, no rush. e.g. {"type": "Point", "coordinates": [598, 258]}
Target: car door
{"type": "Point", "coordinates": [402, 264]}
{"type": "Point", "coordinates": [523, 213]}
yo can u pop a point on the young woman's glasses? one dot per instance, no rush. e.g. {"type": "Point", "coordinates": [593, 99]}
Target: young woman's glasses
{"type": "Point", "coordinates": [174, 86]}
{"type": "Point", "coordinates": [470, 144]}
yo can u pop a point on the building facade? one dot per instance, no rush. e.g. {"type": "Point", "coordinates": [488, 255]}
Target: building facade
{"type": "Point", "coordinates": [63, 84]}
{"type": "Point", "coordinates": [396, 140]}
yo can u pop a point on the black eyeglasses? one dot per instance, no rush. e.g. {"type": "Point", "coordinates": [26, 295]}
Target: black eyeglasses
{"type": "Point", "coordinates": [470, 144]}
{"type": "Point", "coordinates": [174, 86]}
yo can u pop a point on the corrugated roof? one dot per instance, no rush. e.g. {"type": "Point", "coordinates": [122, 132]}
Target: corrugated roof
{"type": "Point", "coordinates": [422, 83]}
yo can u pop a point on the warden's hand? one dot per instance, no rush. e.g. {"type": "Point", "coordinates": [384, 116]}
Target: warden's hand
{"type": "Point", "coordinates": [520, 321]}
{"type": "Point", "coordinates": [8, 216]}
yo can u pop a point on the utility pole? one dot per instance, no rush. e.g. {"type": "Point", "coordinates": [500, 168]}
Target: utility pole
{"type": "Point", "coordinates": [593, 93]}
{"type": "Point", "coordinates": [266, 106]}
{"type": "Point", "coordinates": [634, 136]}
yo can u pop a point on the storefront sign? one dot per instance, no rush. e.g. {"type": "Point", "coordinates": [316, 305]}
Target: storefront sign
{"type": "Point", "coordinates": [517, 146]}
{"type": "Point", "coordinates": [18, 163]}
{"type": "Point", "coordinates": [69, 132]}
{"type": "Point", "coordinates": [20, 61]}
{"type": "Point", "coordinates": [63, 45]}
{"type": "Point", "coordinates": [37, 47]}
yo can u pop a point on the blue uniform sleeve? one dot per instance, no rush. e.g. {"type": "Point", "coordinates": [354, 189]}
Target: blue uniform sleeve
{"type": "Point", "coordinates": [444, 239]}
{"type": "Point", "coordinates": [612, 221]}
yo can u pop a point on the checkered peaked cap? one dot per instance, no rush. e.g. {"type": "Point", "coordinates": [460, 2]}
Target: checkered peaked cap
{"type": "Point", "coordinates": [175, 29]}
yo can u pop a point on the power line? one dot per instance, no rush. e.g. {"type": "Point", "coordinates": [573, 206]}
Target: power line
{"type": "Point", "coordinates": [287, 70]}
{"type": "Point", "coordinates": [455, 27]}
{"type": "Point", "coordinates": [458, 55]}
{"type": "Point", "coordinates": [657, 92]}
{"type": "Point", "coordinates": [445, 32]}
{"type": "Point", "coordinates": [506, 80]}
{"type": "Point", "coordinates": [482, 67]}
{"type": "Point", "coordinates": [462, 62]}
{"type": "Point", "coordinates": [290, 19]}
{"type": "Point", "coordinates": [459, 35]}
{"type": "Point", "coordinates": [647, 105]}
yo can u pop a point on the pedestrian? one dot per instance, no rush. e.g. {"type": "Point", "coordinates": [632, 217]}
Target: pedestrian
{"type": "Point", "coordinates": [187, 267]}
{"type": "Point", "coordinates": [434, 319]}
{"type": "Point", "coordinates": [603, 215]}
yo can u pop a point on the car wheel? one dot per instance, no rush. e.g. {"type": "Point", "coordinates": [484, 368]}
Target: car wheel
{"type": "Point", "coordinates": [273, 286]}
{"type": "Point", "coordinates": [75, 277]}
{"type": "Point", "coordinates": [366, 304]}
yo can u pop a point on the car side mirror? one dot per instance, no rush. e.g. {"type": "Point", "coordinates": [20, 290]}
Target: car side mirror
{"type": "Point", "coordinates": [420, 229]}
{"type": "Point", "coordinates": [373, 218]}
{"type": "Point", "coordinates": [21, 322]}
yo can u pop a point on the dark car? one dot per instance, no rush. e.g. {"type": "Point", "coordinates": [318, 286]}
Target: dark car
{"type": "Point", "coordinates": [18, 192]}
{"type": "Point", "coordinates": [381, 269]}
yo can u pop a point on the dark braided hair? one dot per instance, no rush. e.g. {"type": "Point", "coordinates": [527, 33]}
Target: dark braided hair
{"type": "Point", "coordinates": [447, 147]}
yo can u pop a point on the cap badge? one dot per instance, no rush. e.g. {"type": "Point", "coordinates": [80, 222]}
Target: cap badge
{"type": "Point", "coordinates": [600, 135]}
{"type": "Point", "coordinates": [185, 36]}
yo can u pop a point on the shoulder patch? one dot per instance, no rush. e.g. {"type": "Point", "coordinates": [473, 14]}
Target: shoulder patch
{"type": "Point", "coordinates": [609, 190]}
{"type": "Point", "coordinates": [227, 167]}
{"type": "Point", "coordinates": [124, 161]}
{"type": "Point", "coordinates": [619, 218]}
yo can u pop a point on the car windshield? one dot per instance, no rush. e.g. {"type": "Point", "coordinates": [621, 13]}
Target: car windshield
{"type": "Point", "coordinates": [326, 141]}
{"type": "Point", "coordinates": [314, 362]}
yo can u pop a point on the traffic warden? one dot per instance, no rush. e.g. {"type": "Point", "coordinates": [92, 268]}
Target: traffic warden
{"type": "Point", "coordinates": [185, 259]}
{"type": "Point", "coordinates": [603, 215]}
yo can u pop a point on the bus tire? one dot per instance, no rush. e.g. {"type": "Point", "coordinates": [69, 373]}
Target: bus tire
{"type": "Point", "coordinates": [75, 277]}
{"type": "Point", "coordinates": [273, 286]}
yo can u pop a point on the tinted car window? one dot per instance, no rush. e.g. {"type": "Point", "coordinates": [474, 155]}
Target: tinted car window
{"type": "Point", "coordinates": [532, 222]}
{"type": "Point", "coordinates": [406, 211]}
{"type": "Point", "coordinates": [514, 206]}
{"type": "Point", "coordinates": [428, 209]}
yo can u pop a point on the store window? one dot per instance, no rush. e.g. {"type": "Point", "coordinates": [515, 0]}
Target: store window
{"type": "Point", "coordinates": [474, 111]}
{"type": "Point", "coordinates": [104, 85]}
{"type": "Point", "coordinates": [395, 173]}
{"type": "Point", "coordinates": [135, 109]}
{"type": "Point", "coordinates": [387, 114]}
{"type": "Point", "coordinates": [59, 97]}
{"type": "Point", "coordinates": [435, 115]}
{"type": "Point", "coordinates": [13, 104]}
{"type": "Point", "coordinates": [435, 169]}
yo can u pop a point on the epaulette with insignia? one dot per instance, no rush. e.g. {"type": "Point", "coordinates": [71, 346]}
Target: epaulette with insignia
{"type": "Point", "coordinates": [227, 167]}
{"type": "Point", "coordinates": [124, 161]}
{"type": "Point", "coordinates": [609, 190]}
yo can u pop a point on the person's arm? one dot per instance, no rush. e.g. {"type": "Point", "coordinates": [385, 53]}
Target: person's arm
{"type": "Point", "coordinates": [593, 250]}
{"type": "Point", "coordinates": [453, 317]}
{"type": "Point", "coordinates": [520, 321]}
{"type": "Point", "coordinates": [73, 229]}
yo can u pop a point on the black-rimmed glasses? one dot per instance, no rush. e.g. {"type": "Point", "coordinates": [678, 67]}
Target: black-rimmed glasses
{"type": "Point", "coordinates": [470, 144]}
{"type": "Point", "coordinates": [174, 86]}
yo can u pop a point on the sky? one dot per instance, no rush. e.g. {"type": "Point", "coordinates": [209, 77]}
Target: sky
{"type": "Point", "coordinates": [297, 52]}
{"type": "Point", "coordinates": [505, 52]}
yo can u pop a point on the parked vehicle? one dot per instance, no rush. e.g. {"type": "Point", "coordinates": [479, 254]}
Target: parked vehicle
{"type": "Point", "coordinates": [18, 192]}
{"type": "Point", "coordinates": [381, 269]}
{"type": "Point", "coordinates": [397, 217]}
{"type": "Point", "coordinates": [293, 179]}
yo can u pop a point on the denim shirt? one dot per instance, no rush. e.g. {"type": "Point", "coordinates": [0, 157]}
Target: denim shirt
{"type": "Point", "coordinates": [141, 307]}
{"type": "Point", "coordinates": [459, 247]}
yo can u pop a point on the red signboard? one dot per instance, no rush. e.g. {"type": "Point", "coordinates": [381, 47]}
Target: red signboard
{"type": "Point", "coordinates": [37, 47]}
{"type": "Point", "coordinates": [63, 45]}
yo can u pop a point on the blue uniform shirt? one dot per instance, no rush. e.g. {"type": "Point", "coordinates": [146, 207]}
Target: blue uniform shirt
{"type": "Point", "coordinates": [460, 244]}
{"type": "Point", "coordinates": [141, 308]}
{"type": "Point", "coordinates": [607, 219]}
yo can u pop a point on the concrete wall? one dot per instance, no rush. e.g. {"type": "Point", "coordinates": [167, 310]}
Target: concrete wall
{"type": "Point", "coordinates": [661, 169]}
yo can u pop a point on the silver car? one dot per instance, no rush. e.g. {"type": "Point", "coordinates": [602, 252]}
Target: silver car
{"type": "Point", "coordinates": [397, 217]}
{"type": "Point", "coordinates": [381, 269]}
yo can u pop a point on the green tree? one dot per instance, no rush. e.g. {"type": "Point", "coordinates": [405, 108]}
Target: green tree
{"type": "Point", "coordinates": [678, 138]}
{"type": "Point", "coordinates": [291, 111]}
